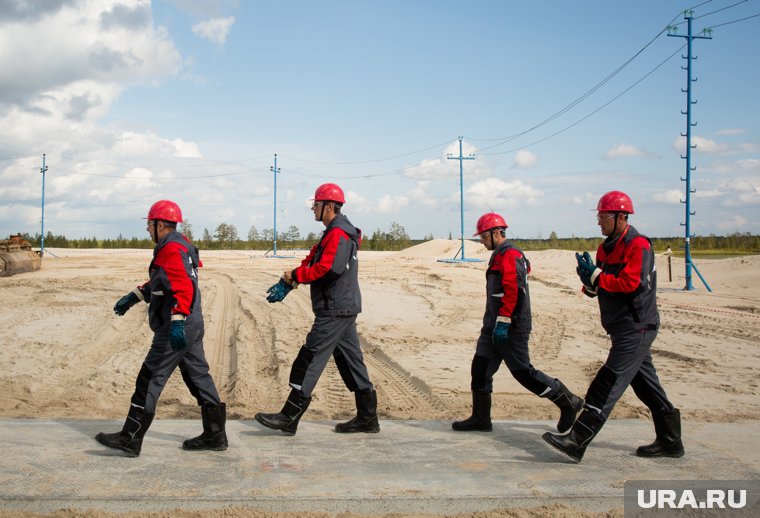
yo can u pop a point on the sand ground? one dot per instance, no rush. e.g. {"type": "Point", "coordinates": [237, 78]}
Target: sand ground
{"type": "Point", "coordinates": [66, 355]}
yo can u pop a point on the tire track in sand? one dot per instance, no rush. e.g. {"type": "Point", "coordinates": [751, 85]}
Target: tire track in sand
{"type": "Point", "coordinates": [399, 392]}
{"type": "Point", "coordinates": [221, 322]}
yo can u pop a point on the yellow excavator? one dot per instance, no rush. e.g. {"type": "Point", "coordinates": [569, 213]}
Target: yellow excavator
{"type": "Point", "coordinates": [17, 256]}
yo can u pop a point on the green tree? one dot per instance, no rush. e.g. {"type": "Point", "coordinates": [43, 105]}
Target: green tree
{"type": "Point", "coordinates": [226, 234]}
{"type": "Point", "coordinates": [186, 228]}
{"type": "Point", "coordinates": [292, 235]}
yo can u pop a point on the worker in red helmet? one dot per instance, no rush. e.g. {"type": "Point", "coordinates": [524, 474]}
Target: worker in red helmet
{"type": "Point", "coordinates": [176, 319]}
{"type": "Point", "coordinates": [624, 279]}
{"type": "Point", "coordinates": [331, 268]}
{"type": "Point", "coordinates": [505, 333]}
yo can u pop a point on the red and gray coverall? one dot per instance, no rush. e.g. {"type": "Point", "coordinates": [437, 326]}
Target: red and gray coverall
{"type": "Point", "coordinates": [173, 289]}
{"type": "Point", "coordinates": [332, 269]}
{"type": "Point", "coordinates": [507, 295]}
{"type": "Point", "coordinates": [627, 302]}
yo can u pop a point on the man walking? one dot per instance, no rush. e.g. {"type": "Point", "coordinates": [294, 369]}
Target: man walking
{"type": "Point", "coordinates": [625, 281]}
{"type": "Point", "coordinates": [331, 268]}
{"type": "Point", "coordinates": [505, 333]}
{"type": "Point", "coordinates": [175, 316]}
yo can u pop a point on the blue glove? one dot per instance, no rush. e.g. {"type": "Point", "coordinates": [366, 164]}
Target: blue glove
{"type": "Point", "coordinates": [177, 335]}
{"type": "Point", "coordinates": [500, 334]}
{"type": "Point", "coordinates": [126, 302]}
{"type": "Point", "coordinates": [279, 291]}
{"type": "Point", "coordinates": [587, 270]}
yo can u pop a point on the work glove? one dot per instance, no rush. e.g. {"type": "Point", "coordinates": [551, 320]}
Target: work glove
{"type": "Point", "coordinates": [500, 334]}
{"type": "Point", "coordinates": [126, 302]}
{"type": "Point", "coordinates": [278, 292]}
{"type": "Point", "coordinates": [177, 335]}
{"type": "Point", "coordinates": [587, 270]}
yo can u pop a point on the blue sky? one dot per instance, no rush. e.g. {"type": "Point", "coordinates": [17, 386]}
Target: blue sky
{"type": "Point", "coordinates": [135, 101]}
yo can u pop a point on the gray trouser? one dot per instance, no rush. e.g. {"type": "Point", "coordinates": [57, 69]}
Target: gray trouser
{"type": "Point", "coordinates": [161, 362]}
{"type": "Point", "coordinates": [330, 336]}
{"type": "Point", "coordinates": [628, 363]}
{"type": "Point", "coordinates": [515, 354]}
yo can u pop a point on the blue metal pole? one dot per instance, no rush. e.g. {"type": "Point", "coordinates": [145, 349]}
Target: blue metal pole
{"type": "Point", "coordinates": [689, 265]}
{"type": "Point", "coordinates": [687, 246]}
{"type": "Point", "coordinates": [275, 171]}
{"type": "Point", "coordinates": [461, 195]}
{"type": "Point", "coordinates": [43, 169]}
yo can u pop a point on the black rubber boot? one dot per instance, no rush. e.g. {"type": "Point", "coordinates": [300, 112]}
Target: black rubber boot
{"type": "Point", "coordinates": [366, 414]}
{"type": "Point", "coordinates": [569, 405]}
{"type": "Point", "coordinates": [287, 419]}
{"type": "Point", "coordinates": [214, 436]}
{"type": "Point", "coordinates": [667, 426]}
{"type": "Point", "coordinates": [130, 438]}
{"type": "Point", "coordinates": [480, 420]}
{"type": "Point", "coordinates": [583, 431]}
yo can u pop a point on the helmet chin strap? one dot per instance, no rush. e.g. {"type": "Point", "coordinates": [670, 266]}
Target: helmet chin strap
{"type": "Point", "coordinates": [322, 212]}
{"type": "Point", "coordinates": [155, 231]}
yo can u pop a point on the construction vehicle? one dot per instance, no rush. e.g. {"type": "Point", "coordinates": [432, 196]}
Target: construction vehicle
{"type": "Point", "coordinates": [17, 256]}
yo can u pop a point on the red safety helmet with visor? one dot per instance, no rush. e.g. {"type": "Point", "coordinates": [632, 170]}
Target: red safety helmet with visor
{"type": "Point", "coordinates": [165, 210]}
{"type": "Point", "coordinates": [615, 201]}
{"type": "Point", "coordinates": [329, 192]}
{"type": "Point", "coordinates": [489, 221]}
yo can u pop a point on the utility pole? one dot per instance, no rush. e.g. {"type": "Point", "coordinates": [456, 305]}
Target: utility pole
{"type": "Point", "coordinates": [275, 170]}
{"type": "Point", "coordinates": [688, 15]}
{"type": "Point", "coordinates": [43, 170]}
{"type": "Point", "coordinates": [461, 158]}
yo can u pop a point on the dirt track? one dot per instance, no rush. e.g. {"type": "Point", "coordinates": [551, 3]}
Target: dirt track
{"type": "Point", "coordinates": [67, 355]}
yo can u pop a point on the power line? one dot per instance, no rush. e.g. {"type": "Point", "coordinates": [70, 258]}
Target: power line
{"type": "Point", "coordinates": [735, 21]}
{"type": "Point", "coordinates": [367, 161]}
{"type": "Point", "coordinates": [582, 97]}
{"type": "Point", "coordinates": [719, 10]}
{"type": "Point", "coordinates": [593, 112]}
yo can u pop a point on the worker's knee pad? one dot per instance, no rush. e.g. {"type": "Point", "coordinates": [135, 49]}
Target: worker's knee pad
{"type": "Point", "coordinates": [345, 372]}
{"type": "Point", "coordinates": [479, 372]}
{"type": "Point", "coordinates": [526, 378]}
{"type": "Point", "coordinates": [300, 365]}
{"type": "Point", "coordinates": [600, 389]}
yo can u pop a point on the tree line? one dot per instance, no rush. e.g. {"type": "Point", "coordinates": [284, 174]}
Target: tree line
{"type": "Point", "coordinates": [226, 237]}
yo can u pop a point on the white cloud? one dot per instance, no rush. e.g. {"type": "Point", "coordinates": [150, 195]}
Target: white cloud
{"type": "Point", "coordinates": [421, 194]}
{"type": "Point", "coordinates": [750, 164]}
{"type": "Point", "coordinates": [732, 131]}
{"type": "Point", "coordinates": [524, 159]}
{"type": "Point", "coordinates": [704, 145]}
{"type": "Point", "coordinates": [184, 149]}
{"type": "Point", "coordinates": [391, 203]}
{"type": "Point", "coordinates": [743, 191]}
{"type": "Point", "coordinates": [748, 147]}
{"type": "Point", "coordinates": [493, 193]}
{"type": "Point", "coordinates": [138, 179]}
{"type": "Point", "coordinates": [429, 168]}
{"type": "Point", "coordinates": [86, 41]}
{"type": "Point", "coordinates": [625, 151]}
{"type": "Point", "coordinates": [736, 224]}
{"type": "Point", "coordinates": [447, 166]}
{"type": "Point", "coordinates": [215, 29]}
{"type": "Point", "coordinates": [670, 197]}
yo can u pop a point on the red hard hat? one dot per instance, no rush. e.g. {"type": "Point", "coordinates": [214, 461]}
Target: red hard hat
{"type": "Point", "coordinates": [165, 210]}
{"type": "Point", "coordinates": [615, 201]}
{"type": "Point", "coordinates": [489, 221]}
{"type": "Point", "coordinates": [329, 192]}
